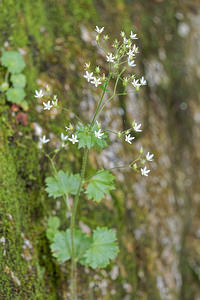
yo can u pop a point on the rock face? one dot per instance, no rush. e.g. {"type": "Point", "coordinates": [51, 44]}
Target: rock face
{"type": "Point", "coordinates": [157, 219]}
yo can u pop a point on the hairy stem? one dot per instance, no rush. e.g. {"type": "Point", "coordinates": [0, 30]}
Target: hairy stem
{"type": "Point", "coordinates": [76, 200]}
{"type": "Point", "coordinates": [72, 227]}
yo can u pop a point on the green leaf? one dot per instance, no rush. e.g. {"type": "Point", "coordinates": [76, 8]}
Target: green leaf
{"type": "Point", "coordinates": [62, 184]}
{"type": "Point", "coordinates": [13, 61]}
{"type": "Point", "coordinates": [53, 225]}
{"type": "Point", "coordinates": [4, 87]}
{"type": "Point", "coordinates": [18, 80]}
{"type": "Point", "coordinates": [15, 95]}
{"type": "Point", "coordinates": [87, 137]}
{"type": "Point", "coordinates": [61, 246]}
{"type": "Point", "coordinates": [100, 184]}
{"type": "Point", "coordinates": [101, 143]}
{"type": "Point", "coordinates": [24, 104]}
{"type": "Point", "coordinates": [102, 249]}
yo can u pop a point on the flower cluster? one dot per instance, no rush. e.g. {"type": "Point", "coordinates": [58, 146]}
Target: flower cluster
{"type": "Point", "coordinates": [50, 103]}
{"type": "Point", "coordinates": [123, 57]}
{"type": "Point", "coordinates": [127, 134]}
{"type": "Point", "coordinates": [120, 60]}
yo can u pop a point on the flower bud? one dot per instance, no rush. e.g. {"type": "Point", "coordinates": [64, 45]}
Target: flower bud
{"type": "Point", "coordinates": [141, 150]}
{"type": "Point", "coordinates": [122, 34]}
{"type": "Point", "coordinates": [135, 166]}
{"type": "Point", "coordinates": [116, 66]}
{"type": "Point", "coordinates": [119, 134]}
{"type": "Point", "coordinates": [137, 88]}
{"type": "Point", "coordinates": [97, 38]}
{"type": "Point", "coordinates": [103, 78]}
{"type": "Point", "coordinates": [125, 81]}
{"type": "Point", "coordinates": [97, 70]}
{"type": "Point", "coordinates": [56, 150]}
{"type": "Point", "coordinates": [116, 44]}
{"type": "Point", "coordinates": [106, 37]}
{"type": "Point", "coordinates": [132, 77]}
{"type": "Point", "coordinates": [87, 66]}
{"type": "Point", "coordinates": [98, 124]}
{"type": "Point", "coordinates": [47, 88]}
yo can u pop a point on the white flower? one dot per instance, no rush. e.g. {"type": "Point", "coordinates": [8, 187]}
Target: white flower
{"type": "Point", "coordinates": [55, 100]}
{"type": "Point", "coordinates": [96, 81]}
{"type": "Point", "coordinates": [99, 30]}
{"type": "Point", "coordinates": [110, 58]}
{"type": "Point", "coordinates": [133, 36]}
{"type": "Point", "coordinates": [143, 81]}
{"type": "Point", "coordinates": [73, 139]}
{"type": "Point", "coordinates": [130, 53]}
{"type": "Point", "coordinates": [98, 134]}
{"type": "Point", "coordinates": [47, 105]}
{"type": "Point", "coordinates": [131, 63]}
{"type": "Point", "coordinates": [128, 138]}
{"type": "Point", "coordinates": [39, 94]}
{"type": "Point", "coordinates": [149, 156]}
{"type": "Point", "coordinates": [88, 76]}
{"type": "Point", "coordinates": [64, 137]}
{"type": "Point", "coordinates": [136, 127]}
{"type": "Point", "coordinates": [135, 49]}
{"type": "Point", "coordinates": [43, 140]}
{"type": "Point", "coordinates": [125, 40]}
{"type": "Point", "coordinates": [144, 171]}
{"type": "Point", "coordinates": [136, 83]}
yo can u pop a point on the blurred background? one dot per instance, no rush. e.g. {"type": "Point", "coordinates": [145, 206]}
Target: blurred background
{"type": "Point", "coordinates": [156, 218]}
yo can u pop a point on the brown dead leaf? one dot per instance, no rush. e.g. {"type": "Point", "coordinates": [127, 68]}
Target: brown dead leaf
{"type": "Point", "coordinates": [22, 118]}
{"type": "Point", "coordinates": [14, 108]}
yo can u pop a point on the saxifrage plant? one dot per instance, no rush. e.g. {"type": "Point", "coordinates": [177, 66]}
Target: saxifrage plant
{"type": "Point", "coordinates": [98, 249]}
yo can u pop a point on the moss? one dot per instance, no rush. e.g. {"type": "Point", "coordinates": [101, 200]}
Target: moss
{"type": "Point", "coordinates": [49, 32]}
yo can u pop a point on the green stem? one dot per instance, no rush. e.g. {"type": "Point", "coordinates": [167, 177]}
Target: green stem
{"type": "Point", "coordinates": [72, 227]}
{"type": "Point", "coordinates": [68, 110]}
{"type": "Point", "coordinates": [76, 200]}
{"type": "Point", "coordinates": [6, 76]}
{"type": "Point", "coordinates": [114, 94]}
{"type": "Point", "coordinates": [100, 101]}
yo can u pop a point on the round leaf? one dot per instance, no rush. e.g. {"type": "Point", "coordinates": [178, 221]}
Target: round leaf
{"type": "Point", "coordinates": [103, 248]}
{"type": "Point", "coordinates": [13, 61]}
{"type": "Point", "coordinates": [18, 80]}
{"type": "Point", "coordinates": [15, 95]}
{"type": "Point", "coordinates": [4, 86]}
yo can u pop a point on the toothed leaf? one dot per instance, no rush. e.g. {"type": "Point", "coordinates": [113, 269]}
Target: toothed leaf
{"type": "Point", "coordinates": [53, 225]}
{"type": "Point", "coordinates": [103, 248]}
{"type": "Point", "coordinates": [13, 61]}
{"type": "Point", "coordinates": [61, 246]}
{"type": "Point", "coordinates": [99, 185]}
{"type": "Point", "coordinates": [62, 184]}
